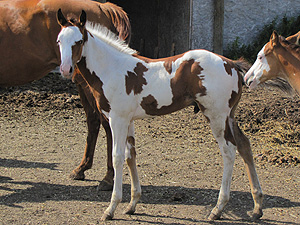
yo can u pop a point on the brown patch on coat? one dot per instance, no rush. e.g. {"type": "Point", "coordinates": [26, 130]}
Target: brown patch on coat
{"type": "Point", "coordinates": [228, 68]}
{"type": "Point", "coordinates": [233, 99]}
{"type": "Point", "coordinates": [185, 85]}
{"type": "Point", "coordinates": [186, 80]}
{"type": "Point", "coordinates": [228, 64]}
{"type": "Point", "coordinates": [134, 81]}
{"type": "Point", "coordinates": [95, 85]}
{"type": "Point", "coordinates": [167, 61]}
{"type": "Point", "coordinates": [131, 141]}
{"type": "Point", "coordinates": [228, 134]}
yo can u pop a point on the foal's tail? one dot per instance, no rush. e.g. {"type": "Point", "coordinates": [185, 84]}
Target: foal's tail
{"type": "Point", "coordinates": [119, 19]}
{"type": "Point", "coordinates": [243, 66]}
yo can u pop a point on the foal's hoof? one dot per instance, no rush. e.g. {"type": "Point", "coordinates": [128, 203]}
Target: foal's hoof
{"type": "Point", "coordinates": [256, 215]}
{"type": "Point", "coordinates": [77, 176]}
{"type": "Point", "coordinates": [106, 217]}
{"type": "Point", "coordinates": [129, 211]}
{"type": "Point", "coordinates": [213, 216]}
{"type": "Point", "coordinates": [104, 186]}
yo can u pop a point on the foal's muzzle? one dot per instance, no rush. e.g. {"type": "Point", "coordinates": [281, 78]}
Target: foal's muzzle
{"type": "Point", "coordinates": [67, 71]}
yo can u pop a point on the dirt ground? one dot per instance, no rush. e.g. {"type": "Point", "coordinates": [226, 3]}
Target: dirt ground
{"type": "Point", "coordinates": [42, 138]}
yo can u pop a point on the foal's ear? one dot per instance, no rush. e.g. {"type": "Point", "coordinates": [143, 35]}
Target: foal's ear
{"type": "Point", "coordinates": [274, 39]}
{"type": "Point", "coordinates": [60, 18]}
{"type": "Point", "coordinates": [82, 19]}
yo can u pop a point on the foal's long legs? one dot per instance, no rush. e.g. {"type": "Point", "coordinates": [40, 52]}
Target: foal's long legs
{"type": "Point", "coordinates": [228, 152]}
{"type": "Point", "coordinates": [243, 146]}
{"type": "Point", "coordinates": [131, 162]}
{"type": "Point", "coordinates": [119, 127]}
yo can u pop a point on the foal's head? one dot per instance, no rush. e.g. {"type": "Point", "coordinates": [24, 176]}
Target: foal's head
{"type": "Point", "coordinates": [70, 41]}
{"type": "Point", "coordinates": [267, 65]}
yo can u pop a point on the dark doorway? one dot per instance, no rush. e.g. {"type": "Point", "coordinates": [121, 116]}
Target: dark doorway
{"type": "Point", "coordinates": [160, 28]}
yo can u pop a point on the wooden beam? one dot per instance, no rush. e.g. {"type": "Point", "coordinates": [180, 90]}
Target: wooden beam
{"type": "Point", "coordinates": [218, 26]}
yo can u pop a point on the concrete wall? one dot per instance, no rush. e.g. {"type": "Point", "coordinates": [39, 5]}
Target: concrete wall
{"type": "Point", "coordinates": [242, 18]}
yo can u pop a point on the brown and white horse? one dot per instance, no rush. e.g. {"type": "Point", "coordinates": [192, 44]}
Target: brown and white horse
{"type": "Point", "coordinates": [28, 32]}
{"type": "Point", "coordinates": [277, 61]}
{"type": "Point", "coordinates": [127, 87]}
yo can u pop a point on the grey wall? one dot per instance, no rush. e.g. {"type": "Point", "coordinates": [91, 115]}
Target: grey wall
{"type": "Point", "coordinates": [242, 18]}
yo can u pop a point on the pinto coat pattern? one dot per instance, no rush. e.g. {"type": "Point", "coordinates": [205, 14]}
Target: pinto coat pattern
{"type": "Point", "coordinates": [127, 86]}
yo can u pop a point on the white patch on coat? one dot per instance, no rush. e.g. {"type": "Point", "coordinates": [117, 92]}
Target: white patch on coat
{"type": "Point", "coordinates": [252, 77]}
{"type": "Point", "coordinates": [218, 83]}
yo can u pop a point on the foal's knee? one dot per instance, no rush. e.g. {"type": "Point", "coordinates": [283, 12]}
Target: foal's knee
{"type": "Point", "coordinates": [118, 161]}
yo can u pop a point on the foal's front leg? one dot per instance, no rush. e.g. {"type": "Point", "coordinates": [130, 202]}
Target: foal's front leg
{"type": "Point", "coordinates": [119, 127]}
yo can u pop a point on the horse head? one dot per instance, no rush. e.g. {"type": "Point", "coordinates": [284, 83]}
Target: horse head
{"type": "Point", "coordinates": [70, 41]}
{"type": "Point", "coordinates": [266, 66]}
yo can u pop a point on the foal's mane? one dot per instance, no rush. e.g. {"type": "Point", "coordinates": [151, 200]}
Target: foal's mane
{"type": "Point", "coordinates": [294, 49]}
{"type": "Point", "coordinates": [109, 37]}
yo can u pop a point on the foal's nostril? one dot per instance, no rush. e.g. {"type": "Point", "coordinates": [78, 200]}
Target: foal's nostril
{"type": "Point", "coordinates": [71, 70]}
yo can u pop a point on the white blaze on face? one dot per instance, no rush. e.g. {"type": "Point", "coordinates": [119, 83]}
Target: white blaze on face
{"type": "Point", "coordinates": [253, 76]}
{"type": "Point", "coordinates": [67, 38]}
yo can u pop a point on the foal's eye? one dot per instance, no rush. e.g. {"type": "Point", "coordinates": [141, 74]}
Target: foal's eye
{"type": "Point", "coordinates": [80, 42]}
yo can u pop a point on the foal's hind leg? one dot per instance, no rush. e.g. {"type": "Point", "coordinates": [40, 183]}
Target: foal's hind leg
{"type": "Point", "coordinates": [131, 162]}
{"type": "Point", "coordinates": [243, 146]}
{"type": "Point", "coordinates": [228, 152]}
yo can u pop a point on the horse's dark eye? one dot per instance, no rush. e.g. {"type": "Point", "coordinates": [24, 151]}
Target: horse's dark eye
{"type": "Point", "coordinates": [80, 42]}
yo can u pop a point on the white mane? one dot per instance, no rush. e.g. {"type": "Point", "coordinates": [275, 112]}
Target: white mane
{"type": "Point", "coordinates": [109, 37]}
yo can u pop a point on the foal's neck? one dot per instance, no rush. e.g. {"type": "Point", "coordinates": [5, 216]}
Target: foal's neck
{"type": "Point", "coordinates": [290, 62]}
{"type": "Point", "coordinates": [105, 53]}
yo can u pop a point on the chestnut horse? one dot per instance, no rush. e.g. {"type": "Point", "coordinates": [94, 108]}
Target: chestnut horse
{"type": "Point", "coordinates": [278, 61]}
{"type": "Point", "coordinates": [28, 32]}
{"type": "Point", "coordinates": [127, 87]}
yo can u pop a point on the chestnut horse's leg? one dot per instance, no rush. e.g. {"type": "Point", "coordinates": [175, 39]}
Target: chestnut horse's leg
{"type": "Point", "coordinates": [108, 181]}
{"type": "Point", "coordinates": [93, 121]}
{"type": "Point", "coordinates": [136, 191]}
{"type": "Point", "coordinates": [228, 150]}
{"type": "Point", "coordinates": [243, 146]}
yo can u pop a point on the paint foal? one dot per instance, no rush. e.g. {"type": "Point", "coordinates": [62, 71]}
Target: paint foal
{"type": "Point", "coordinates": [128, 87]}
{"type": "Point", "coordinates": [279, 58]}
